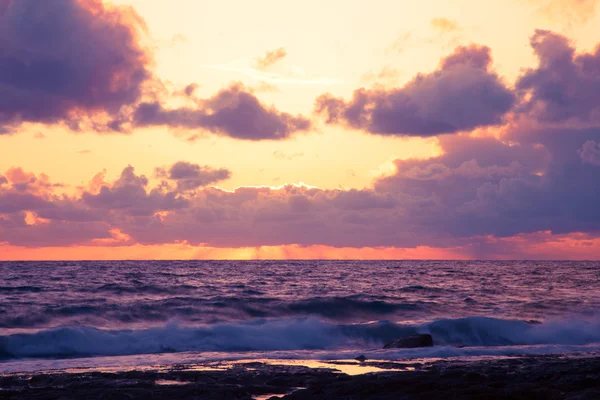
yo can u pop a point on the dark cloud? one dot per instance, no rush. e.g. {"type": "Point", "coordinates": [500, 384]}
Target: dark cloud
{"type": "Point", "coordinates": [129, 193]}
{"type": "Point", "coordinates": [476, 190]}
{"type": "Point", "coordinates": [81, 63]}
{"type": "Point", "coordinates": [537, 176]}
{"type": "Point", "coordinates": [17, 232]}
{"type": "Point", "coordinates": [462, 94]}
{"type": "Point", "coordinates": [62, 60]}
{"type": "Point", "coordinates": [192, 176]}
{"type": "Point", "coordinates": [565, 86]}
{"type": "Point", "coordinates": [488, 187]}
{"type": "Point", "coordinates": [190, 89]}
{"type": "Point", "coordinates": [11, 202]}
{"type": "Point", "coordinates": [271, 58]}
{"type": "Point", "coordinates": [232, 112]}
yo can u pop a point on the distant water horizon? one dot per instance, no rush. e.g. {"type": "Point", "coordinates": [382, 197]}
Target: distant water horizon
{"type": "Point", "coordinates": [298, 308]}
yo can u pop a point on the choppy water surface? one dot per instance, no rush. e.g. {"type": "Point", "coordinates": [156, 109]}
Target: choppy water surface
{"type": "Point", "coordinates": [79, 309]}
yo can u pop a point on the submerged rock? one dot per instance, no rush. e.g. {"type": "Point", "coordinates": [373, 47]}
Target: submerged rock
{"type": "Point", "coordinates": [410, 342]}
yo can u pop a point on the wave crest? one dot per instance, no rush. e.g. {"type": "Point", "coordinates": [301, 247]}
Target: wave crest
{"type": "Point", "coordinates": [290, 334]}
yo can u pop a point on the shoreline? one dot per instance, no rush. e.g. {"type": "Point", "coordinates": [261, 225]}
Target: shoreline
{"type": "Point", "coordinates": [541, 377]}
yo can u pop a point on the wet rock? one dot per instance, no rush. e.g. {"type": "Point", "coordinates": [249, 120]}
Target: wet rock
{"type": "Point", "coordinates": [523, 378]}
{"type": "Point", "coordinates": [410, 342]}
{"type": "Point", "coordinates": [533, 322]}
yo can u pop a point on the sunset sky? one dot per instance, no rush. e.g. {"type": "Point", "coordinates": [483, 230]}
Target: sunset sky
{"type": "Point", "coordinates": [389, 129]}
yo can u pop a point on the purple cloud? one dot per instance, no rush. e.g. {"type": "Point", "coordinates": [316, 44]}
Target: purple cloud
{"type": "Point", "coordinates": [462, 94]}
{"type": "Point", "coordinates": [232, 112]}
{"type": "Point", "coordinates": [192, 176]}
{"type": "Point", "coordinates": [565, 85]}
{"type": "Point", "coordinates": [62, 60]}
{"type": "Point", "coordinates": [478, 187]}
{"type": "Point", "coordinates": [541, 177]}
{"type": "Point", "coordinates": [129, 193]}
{"type": "Point", "coordinates": [11, 201]}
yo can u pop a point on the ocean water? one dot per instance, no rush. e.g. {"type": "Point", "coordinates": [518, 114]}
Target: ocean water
{"type": "Point", "coordinates": [101, 313]}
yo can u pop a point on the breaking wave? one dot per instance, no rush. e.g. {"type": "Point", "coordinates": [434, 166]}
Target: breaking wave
{"type": "Point", "coordinates": [293, 334]}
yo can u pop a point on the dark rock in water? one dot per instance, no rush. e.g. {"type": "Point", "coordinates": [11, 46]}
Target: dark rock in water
{"type": "Point", "coordinates": [533, 322]}
{"type": "Point", "coordinates": [361, 358]}
{"type": "Point", "coordinates": [410, 342]}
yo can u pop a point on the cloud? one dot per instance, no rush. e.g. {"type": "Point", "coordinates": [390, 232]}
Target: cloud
{"type": "Point", "coordinates": [533, 183]}
{"type": "Point", "coordinates": [64, 60]}
{"type": "Point", "coordinates": [462, 94]}
{"type": "Point", "coordinates": [400, 44]}
{"type": "Point", "coordinates": [589, 153]}
{"type": "Point", "coordinates": [476, 195]}
{"type": "Point", "coordinates": [129, 193]}
{"type": "Point", "coordinates": [192, 176]}
{"type": "Point", "coordinates": [233, 112]}
{"type": "Point", "coordinates": [445, 25]}
{"type": "Point", "coordinates": [284, 156]}
{"type": "Point", "coordinates": [565, 86]}
{"type": "Point", "coordinates": [569, 10]}
{"type": "Point", "coordinates": [386, 74]}
{"type": "Point", "coordinates": [190, 89]}
{"type": "Point", "coordinates": [270, 58]}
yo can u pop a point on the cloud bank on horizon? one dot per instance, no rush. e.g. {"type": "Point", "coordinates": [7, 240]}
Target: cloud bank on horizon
{"type": "Point", "coordinates": [518, 167]}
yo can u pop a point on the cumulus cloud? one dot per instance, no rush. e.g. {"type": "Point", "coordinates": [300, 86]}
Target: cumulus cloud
{"type": "Point", "coordinates": [462, 94]}
{"type": "Point", "coordinates": [65, 59]}
{"type": "Point", "coordinates": [476, 190]}
{"type": "Point", "coordinates": [485, 193]}
{"type": "Point", "coordinates": [82, 63]}
{"type": "Point", "coordinates": [565, 86]}
{"type": "Point", "coordinates": [271, 58]}
{"type": "Point", "coordinates": [192, 176]}
{"type": "Point", "coordinates": [129, 193]}
{"type": "Point", "coordinates": [233, 112]}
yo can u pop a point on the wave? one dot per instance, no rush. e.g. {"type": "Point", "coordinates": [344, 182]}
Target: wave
{"type": "Point", "coordinates": [30, 289]}
{"type": "Point", "coordinates": [292, 334]}
{"type": "Point", "coordinates": [210, 310]}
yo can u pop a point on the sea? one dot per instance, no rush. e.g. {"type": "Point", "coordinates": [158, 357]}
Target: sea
{"type": "Point", "coordinates": [58, 315]}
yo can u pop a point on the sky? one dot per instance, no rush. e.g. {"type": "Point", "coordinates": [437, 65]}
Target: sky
{"type": "Point", "coordinates": [390, 129]}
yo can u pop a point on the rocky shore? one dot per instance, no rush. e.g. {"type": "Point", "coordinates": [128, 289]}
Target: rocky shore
{"type": "Point", "coordinates": [541, 377]}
